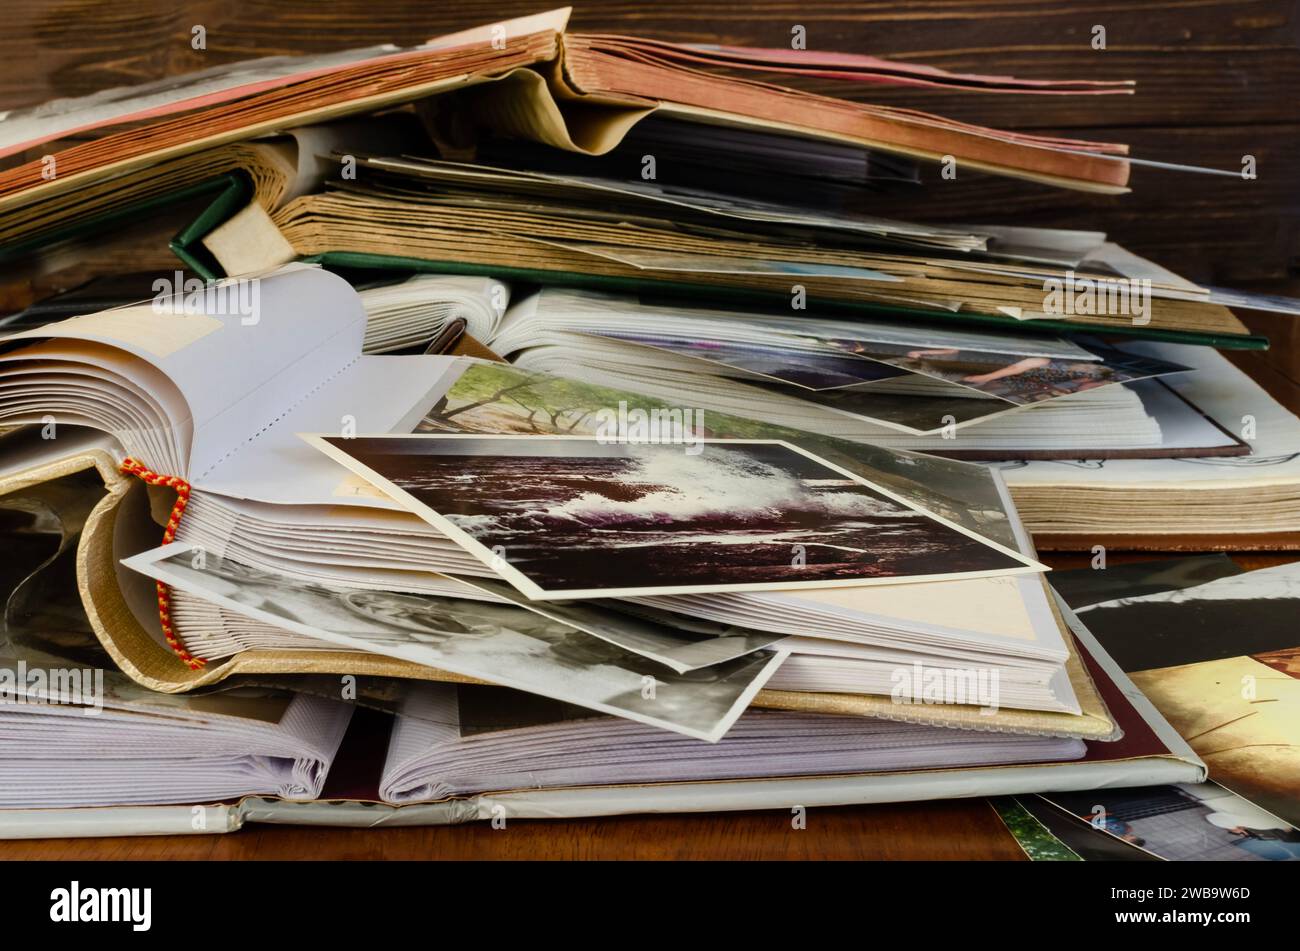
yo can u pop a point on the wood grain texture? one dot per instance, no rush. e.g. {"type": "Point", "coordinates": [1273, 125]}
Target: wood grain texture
{"type": "Point", "coordinates": [955, 830]}
{"type": "Point", "coordinates": [1217, 80]}
{"type": "Point", "coordinates": [1199, 62]}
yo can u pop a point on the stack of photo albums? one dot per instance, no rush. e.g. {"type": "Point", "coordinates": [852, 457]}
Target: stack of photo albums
{"type": "Point", "coordinates": [742, 519]}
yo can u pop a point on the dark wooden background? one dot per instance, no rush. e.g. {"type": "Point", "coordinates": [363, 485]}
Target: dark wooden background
{"type": "Point", "coordinates": [1216, 81]}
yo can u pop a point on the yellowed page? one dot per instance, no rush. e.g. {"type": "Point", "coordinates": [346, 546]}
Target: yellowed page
{"type": "Point", "coordinates": [249, 243]}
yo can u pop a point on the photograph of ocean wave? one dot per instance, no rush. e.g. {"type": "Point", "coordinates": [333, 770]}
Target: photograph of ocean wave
{"type": "Point", "coordinates": [581, 514]}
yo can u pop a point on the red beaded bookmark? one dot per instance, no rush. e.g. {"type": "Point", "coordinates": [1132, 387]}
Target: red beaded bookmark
{"type": "Point", "coordinates": [130, 467]}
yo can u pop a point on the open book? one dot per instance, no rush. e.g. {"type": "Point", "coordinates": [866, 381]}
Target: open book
{"type": "Point", "coordinates": [153, 748]}
{"type": "Point", "coordinates": [361, 750]}
{"type": "Point", "coordinates": [1178, 504]}
{"type": "Point", "coordinates": [267, 171]}
{"type": "Point", "coordinates": [222, 133]}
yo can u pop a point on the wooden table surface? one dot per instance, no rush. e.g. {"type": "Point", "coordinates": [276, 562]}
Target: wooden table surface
{"type": "Point", "coordinates": [1216, 80]}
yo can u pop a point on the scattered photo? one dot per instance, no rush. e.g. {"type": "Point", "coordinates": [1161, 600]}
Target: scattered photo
{"type": "Point", "coordinates": [1184, 822]}
{"type": "Point", "coordinates": [569, 517]}
{"type": "Point", "coordinates": [1081, 587]}
{"type": "Point", "coordinates": [1230, 616]}
{"type": "Point", "coordinates": [1241, 715]}
{"type": "Point", "coordinates": [1089, 844]}
{"type": "Point", "coordinates": [1221, 662]}
{"type": "Point", "coordinates": [1033, 836]}
{"type": "Point", "coordinates": [500, 643]}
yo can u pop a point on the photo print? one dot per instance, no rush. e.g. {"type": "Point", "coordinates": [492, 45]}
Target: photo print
{"type": "Point", "coordinates": [573, 517]}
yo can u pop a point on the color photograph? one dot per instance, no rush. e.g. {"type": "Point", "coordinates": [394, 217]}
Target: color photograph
{"type": "Point", "coordinates": [1013, 377]}
{"type": "Point", "coordinates": [1187, 822]}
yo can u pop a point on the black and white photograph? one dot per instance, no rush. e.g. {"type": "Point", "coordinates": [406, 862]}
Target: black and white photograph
{"type": "Point", "coordinates": [800, 365]}
{"type": "Point", "coordinates": [1248, 612]}
{"type": "Point", "coordinates": [920, 414]}
{"type": "Point", "coordinates": [497, 399]}
{"type": "Point", "coordinates": [569, 517]}
{"type": "Point", "coordinates": [503, 644]}
{"type": "Point", "coordinates": [1083, 586]}
{"type": "Point", "coordinates": [667, 640]}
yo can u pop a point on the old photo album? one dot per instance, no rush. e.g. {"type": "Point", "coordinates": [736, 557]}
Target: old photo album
{"type": "Point", "coordinates": [280, 748]}
{"type": "Point", "coordinates": [726, 583]}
